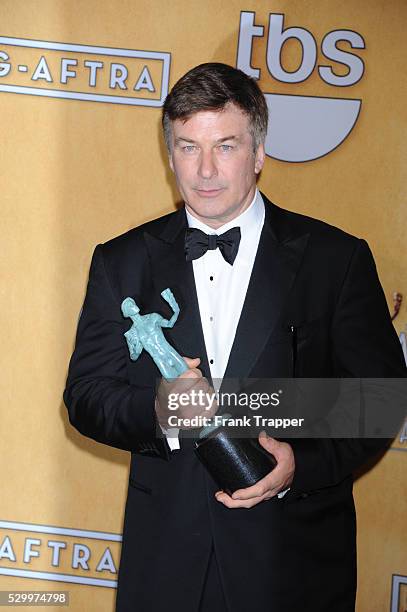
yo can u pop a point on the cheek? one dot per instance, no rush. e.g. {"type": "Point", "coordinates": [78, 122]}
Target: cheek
{"type": "Point", "coordinates": [237, 171]}
{"type": "Point", "coordinates": [245, 172]}
{"type": "Point", "coordinates": [246, 164]}
{"type": "Point", "coordinates": [182, 173]}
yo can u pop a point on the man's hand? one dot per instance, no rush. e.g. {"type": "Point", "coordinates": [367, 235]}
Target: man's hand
{"type": "Point", "coordinates": [277, 480]}
{"type": "Point", "coordinates": [190, 383]}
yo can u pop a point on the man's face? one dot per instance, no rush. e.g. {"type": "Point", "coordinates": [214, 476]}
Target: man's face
{"type": "Point", "coordinates": [214, 164]}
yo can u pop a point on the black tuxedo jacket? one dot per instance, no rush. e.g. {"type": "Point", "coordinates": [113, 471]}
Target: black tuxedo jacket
{"type": "Point", "coordinates": [294, 553]}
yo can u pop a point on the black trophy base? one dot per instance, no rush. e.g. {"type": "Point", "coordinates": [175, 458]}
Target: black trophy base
{"type": "Point", "coordinates": [234, 463]}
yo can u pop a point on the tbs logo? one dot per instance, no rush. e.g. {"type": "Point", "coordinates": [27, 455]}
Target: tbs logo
{"type": "Point", "coordinates": [303, 128]}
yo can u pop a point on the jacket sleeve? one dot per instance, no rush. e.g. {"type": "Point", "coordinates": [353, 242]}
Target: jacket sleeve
{"type": "Point", "coordinates": [101, 402]}
{"type": "Point", "coordinates": [364, 345]}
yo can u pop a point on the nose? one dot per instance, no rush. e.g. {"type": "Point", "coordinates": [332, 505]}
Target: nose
{"type": "Point", "coordinates": [207, 166]}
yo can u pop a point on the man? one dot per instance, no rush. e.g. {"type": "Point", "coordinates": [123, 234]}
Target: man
{"type": "Point", "coordinates": [283, 295]}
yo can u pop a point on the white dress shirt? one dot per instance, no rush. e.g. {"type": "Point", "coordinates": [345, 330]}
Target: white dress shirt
{"type": "Point", "coordinates": [221, 290]}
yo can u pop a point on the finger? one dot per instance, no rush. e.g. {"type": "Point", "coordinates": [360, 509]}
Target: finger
{"type": "Point", "coordinates": [186, 381]}
{"type": "Point", "coordinates": [176, 385]}
{"type": "Point", "coordinates": [191, 373]}
{"type": "Point", "coordinates": [254, 491]}
{"type": "Point", "coordinates": [283, 454]}
{"type": "Point", "coordinates": [200, 387]}
{"type": "Point", "coordinates": [257, 490]}
{"type": "Point", "coordinates": [238, 502]}
{"type": "Point", "coordinates": [192, 362]}
{"type": "Point", "coordinates": [270, 489]}
{"type": "Point", "coordinates": [197, 373]}
{"type": "Point", "coordinates": [192, 376]}
{"type": "Point", "coordinates": [279, 450]}
{"type": "Point", "coordinates": [270, 444]}
{"type": "Point", "coordinates": [229, 502]}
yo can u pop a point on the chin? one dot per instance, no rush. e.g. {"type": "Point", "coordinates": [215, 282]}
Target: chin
{"type": "Point", "coordinates": [208, 212]}
{"type": "Point", "coordinates": [211, 209]}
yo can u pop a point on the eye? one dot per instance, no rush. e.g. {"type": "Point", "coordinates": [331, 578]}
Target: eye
{"type": "Point", "coordinates": [225, 148]}
{"type": "Point", "coordinates": [189, 148]}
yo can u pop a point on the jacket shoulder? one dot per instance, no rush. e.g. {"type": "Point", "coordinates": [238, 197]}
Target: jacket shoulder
{"type": "Point", "coordinates": [125, 257]}
{"type": "Point", "coordinates": [289, 224]}
{"type": "Point", "coordinates": [133, 238]}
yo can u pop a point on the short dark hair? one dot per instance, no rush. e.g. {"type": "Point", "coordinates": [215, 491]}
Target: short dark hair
{"type": "Point", "coordinates": [212, 86]}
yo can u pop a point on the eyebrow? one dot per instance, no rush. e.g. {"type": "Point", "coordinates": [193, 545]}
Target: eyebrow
{"type": "Point", "coordinates": [181, 139]}
{"type": "Point", "coordinates": [219, 141]}
{"type": "Point", "coordinates": [227, 138]}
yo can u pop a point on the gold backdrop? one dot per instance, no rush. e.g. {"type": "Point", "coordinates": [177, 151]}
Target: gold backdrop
{"type": "Point", "coordinates": [75, 172]}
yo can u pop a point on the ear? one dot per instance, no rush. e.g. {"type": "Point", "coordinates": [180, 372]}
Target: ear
{"type": "Point", "coordinates": [259, 158]}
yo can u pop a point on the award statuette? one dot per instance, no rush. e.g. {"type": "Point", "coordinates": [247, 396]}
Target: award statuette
{"type": "Point", "coordinates": [146, 333]}
{"type": "Point", "coordinates": [233, 462]}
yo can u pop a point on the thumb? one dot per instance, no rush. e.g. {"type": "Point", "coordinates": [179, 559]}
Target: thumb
{"type": "Point", "coordinates": [267, 442]}
{"type": "Point", "coordinates": [192, 362]}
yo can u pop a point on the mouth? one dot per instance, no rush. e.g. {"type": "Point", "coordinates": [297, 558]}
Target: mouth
{"type": "Point", "coordinates": [208, 193]}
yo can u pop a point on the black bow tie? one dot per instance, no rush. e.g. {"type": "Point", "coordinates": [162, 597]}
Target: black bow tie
{"type": "Point", "coordinates": [197, 243]}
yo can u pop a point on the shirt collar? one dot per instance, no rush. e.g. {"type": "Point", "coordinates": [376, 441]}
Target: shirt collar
{"type": "Point", "coordinates": [252, 217]}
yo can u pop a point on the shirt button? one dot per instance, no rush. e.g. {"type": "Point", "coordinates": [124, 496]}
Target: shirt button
{"type": "Point", "coordinates": [211, 278]}
{"type": "Point", "coordinates": [211, 361]}
{"type": "Point", "coordinates": [210, 318]}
